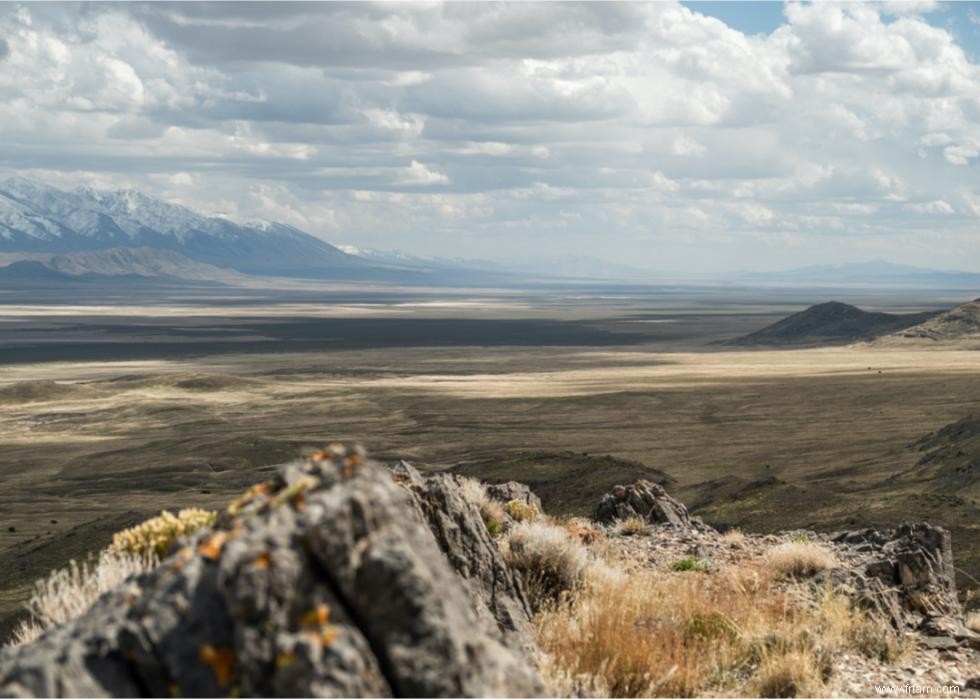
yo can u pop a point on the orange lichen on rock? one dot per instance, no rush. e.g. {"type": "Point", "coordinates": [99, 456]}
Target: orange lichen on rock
{"type": "Point", "coordinates": [211, 547]}
{"type": "Point", "coordinates": [316, 617]}
{"type": "Point", "coordinates": [220, 660]}
{"type": "Point", "coordinates": [256, 490]}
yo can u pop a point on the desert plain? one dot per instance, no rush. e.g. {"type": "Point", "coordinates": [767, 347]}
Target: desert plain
{"type": "Point", "coordinates": [111, 411]}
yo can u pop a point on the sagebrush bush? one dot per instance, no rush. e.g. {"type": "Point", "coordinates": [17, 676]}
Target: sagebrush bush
{"type": "Point", "coordinates": [67, 593]}
{"type": "Point", "coordinates": [550, 561]}
{"type": "Point", "coordinates": [155, 536]}
{"type": "Point", "coordinates": [800, 559]}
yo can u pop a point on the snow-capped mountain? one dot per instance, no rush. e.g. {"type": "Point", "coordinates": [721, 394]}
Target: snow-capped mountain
{"type": "Point", "coordinates": [39, 218]}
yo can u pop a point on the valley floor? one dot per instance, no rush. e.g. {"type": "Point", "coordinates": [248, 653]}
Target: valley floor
{"type": "Point", "coordinates": [762, 440]}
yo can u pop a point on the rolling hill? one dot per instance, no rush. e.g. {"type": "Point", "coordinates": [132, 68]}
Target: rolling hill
{"type": "Point", "coordinates": [958, 324]}
{"type": "Point", "coordinates": [831, 323]}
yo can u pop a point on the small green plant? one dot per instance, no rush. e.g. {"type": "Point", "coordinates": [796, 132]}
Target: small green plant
{"type": "Point", "coordinates": [521, 511]}
{"type": "Point", "coordinates": [800, 539]}
{"type": "Point", "coordinates": [494, 527]}
{"type": "Point", "coordinates": [685, 564]}
{"type": "Point", "coordinates": [155, 536]}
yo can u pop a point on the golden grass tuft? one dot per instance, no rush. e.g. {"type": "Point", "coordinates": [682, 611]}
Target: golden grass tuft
{"type": "Point", "coordinates": [791, 673]}
{"type": "Point", "coordinates": [632, 526]}
{"type": "Point", "coordinates": [800, 559]}
{"type": "Point", "coordinates": [155, 536]}
{"type": "Point", "coordinates": [727, 631]}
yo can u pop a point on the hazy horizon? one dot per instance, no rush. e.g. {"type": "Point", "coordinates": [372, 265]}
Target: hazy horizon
{"type": "Point", "coordinates": [695, 137]}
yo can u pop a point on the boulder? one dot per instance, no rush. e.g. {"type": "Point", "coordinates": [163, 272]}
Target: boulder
{"type": "Point", "coordinates": [459, 530]}
{"type": "Point", "coordinates": [322, 582]}
{"type": "Point", "coordinates": [512, 490]}
{"type": "Point", "coordinates": [648, 501]}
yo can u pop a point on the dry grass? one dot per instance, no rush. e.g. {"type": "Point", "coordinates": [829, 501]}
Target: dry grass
{"type": "Point", "coordinates": [661, 634]}
{"type": "Point", "coordinates": [632, 526]}
{"type": "Point", "coordinates": [491, 511]}
{"type": "Point", "coordinates": [800, 559]}
{"type": "Point", "coordinates": [973, 621]}
{"type": "Point", "coordinates": [155, 536]}
{"type": "Point", "coordinates": [474, 491]}
{"type": "Point", "coordinates": [580, 529]}
{"type": "Point", "coordinates": [733, 537]}
{"type": "Point", "coordinates": [787, 674]}
{"type": "Point", "coordinates": [548, 558]}
{"type": "Point", "coordinates": [67, 593]}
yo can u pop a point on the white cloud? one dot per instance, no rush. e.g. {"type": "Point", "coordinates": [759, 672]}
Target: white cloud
{"type": "Point", "coordinates": [584, 123]}
{"type": "Point", "coordinates": [960, 155]}
{"type": "Point", "coordinates": [417, 173]}
{"type": "Point", "coordinates": [936, 206]}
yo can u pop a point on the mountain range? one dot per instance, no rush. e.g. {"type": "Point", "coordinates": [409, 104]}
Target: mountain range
{"type": "Point", "coordinates": [119, 232]}
{"type": "Point", "coordinates": [870, 273]}
{"type": "Point", "coordinates": [36, 218]}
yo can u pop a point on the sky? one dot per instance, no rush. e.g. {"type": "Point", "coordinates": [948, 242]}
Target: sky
{"type": "Point", "coordinates": [696, 136]}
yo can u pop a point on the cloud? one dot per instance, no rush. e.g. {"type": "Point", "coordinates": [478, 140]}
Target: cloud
{"type": "Point", "coordinates": [937, 206]}
{"type": "Point", "coordinates": [645, 131]}
{"type": "Point", "coordinates": [417, 173]}
{"type": "Point", "coordinates": [960, 155]}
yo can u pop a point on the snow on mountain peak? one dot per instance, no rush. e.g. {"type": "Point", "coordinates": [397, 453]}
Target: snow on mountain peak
{"type": "Point", "coordinates": [36, 217]}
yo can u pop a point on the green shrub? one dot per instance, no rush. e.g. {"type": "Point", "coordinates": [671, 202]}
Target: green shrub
{"type": "Point", "coordinates": [688, 564]}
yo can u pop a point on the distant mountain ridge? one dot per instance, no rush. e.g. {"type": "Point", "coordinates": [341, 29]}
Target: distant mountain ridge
{"type": "Point", "coordinates": [871, 273]}
{"type": "Point", "coordinates": [832, 323]}
{"type": "Point", "coordinates": [37, 218]}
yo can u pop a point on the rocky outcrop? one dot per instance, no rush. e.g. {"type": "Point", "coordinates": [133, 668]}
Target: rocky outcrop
{"type": "Point", "coordinates": [906, 576]}
{"type": "Point", "coordinates": [323, 582]}
{"type": "Point", "coordinates": [646, 500]}
{"type": "Point", "coordinates": [459, 530]}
